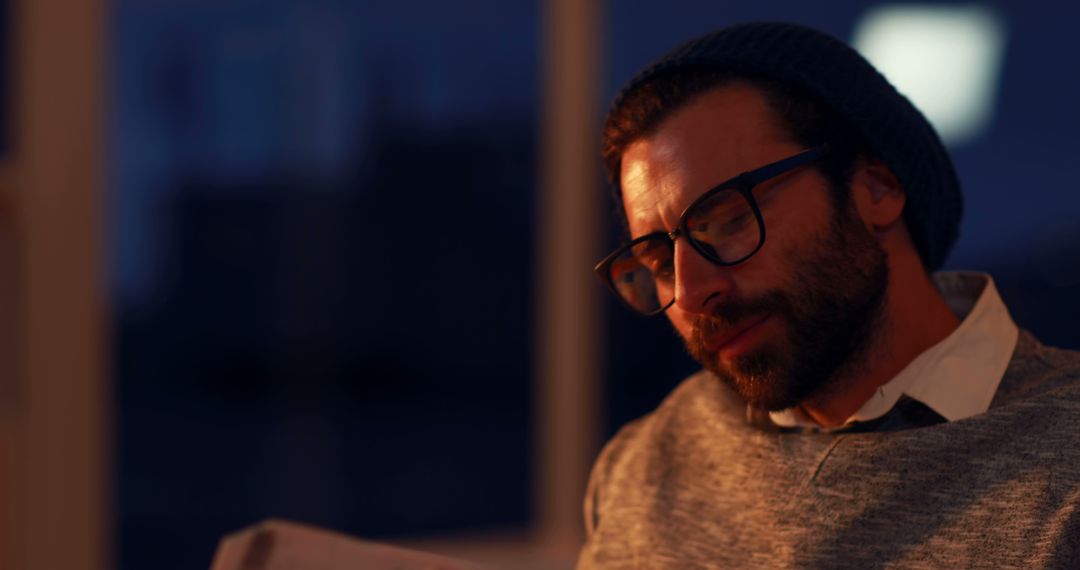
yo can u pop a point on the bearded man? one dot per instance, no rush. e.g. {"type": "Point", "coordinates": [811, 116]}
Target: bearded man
{"type": "Point", "coordinates": [788, 211]}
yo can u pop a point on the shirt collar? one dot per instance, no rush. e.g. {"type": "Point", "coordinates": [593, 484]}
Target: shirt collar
{"type": "Point", "coordinates": [958, 376]}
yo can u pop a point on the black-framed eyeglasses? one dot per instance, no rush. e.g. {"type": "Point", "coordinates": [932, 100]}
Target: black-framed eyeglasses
{"type": "Point", "coordinates": [724, 225]}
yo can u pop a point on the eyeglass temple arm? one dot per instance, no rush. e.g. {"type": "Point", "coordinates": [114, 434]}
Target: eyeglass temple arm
{"type": "Point", "coordinates": [777, 168]}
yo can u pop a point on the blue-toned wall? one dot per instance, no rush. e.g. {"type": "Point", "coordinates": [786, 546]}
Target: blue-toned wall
{"type": "Point", "coordinates": [322, 249]}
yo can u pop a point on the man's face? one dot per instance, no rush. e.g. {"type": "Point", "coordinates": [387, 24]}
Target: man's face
{"type": "Point", "coordinates": [794, 320]}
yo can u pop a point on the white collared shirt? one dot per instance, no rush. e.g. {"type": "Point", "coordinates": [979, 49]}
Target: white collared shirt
{"type": "Point", "coordinates": [958, 376]}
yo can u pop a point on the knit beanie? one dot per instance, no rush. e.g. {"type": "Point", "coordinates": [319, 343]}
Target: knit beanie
{"type": "Point", "coordinates": [841, 79]}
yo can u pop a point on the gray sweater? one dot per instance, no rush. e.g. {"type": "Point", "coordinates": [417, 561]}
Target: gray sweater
{"type": "Point", "coordinates": [695, 485]}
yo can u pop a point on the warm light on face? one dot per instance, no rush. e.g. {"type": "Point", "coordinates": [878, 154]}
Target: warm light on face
{"type": "Point", "coordinates": [945, 59]}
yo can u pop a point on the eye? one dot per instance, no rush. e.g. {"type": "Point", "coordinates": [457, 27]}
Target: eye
{"type": "Point", "coordinates": [720, 218]}
{"type": "Point", "coordinates": [736, 224]}
{"type": "Point", "coordinates": [662, 270]}
{"type": "Point", "coordinates": [656, 258]}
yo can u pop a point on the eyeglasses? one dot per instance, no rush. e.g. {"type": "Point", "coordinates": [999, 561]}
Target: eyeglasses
{"type": "Point", "coordinates": [724, 225]}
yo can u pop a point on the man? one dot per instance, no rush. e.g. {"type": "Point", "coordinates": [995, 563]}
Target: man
{"type": "Point", "coordinates": [786, 209]}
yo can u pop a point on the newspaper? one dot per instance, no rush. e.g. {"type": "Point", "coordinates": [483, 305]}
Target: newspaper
{"type": "Point", "coordinates": [283, 545]}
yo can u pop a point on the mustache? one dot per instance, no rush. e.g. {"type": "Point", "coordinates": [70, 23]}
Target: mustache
{"type": "Point", "coordinates": [730, 314]}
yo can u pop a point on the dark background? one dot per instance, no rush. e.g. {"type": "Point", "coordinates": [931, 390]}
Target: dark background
{"type": "Point", "coordinates": [323, 251]}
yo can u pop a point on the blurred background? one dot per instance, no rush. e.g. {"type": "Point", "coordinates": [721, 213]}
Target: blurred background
{"type": "Point", "coordinates": [330, 261]}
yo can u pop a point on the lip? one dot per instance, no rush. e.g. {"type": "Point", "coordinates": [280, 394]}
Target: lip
{"type": "Point", "coordinates": [721, 340]}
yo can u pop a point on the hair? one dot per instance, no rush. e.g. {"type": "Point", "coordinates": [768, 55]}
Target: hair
{"type": "Point", "coordinates": [807, 121]}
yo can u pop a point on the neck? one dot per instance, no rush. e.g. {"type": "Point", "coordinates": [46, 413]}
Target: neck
{"type": "Point", "coordinates": [916, 317]}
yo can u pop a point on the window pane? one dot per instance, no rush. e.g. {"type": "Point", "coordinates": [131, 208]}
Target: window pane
{"type": "Point", "coordinates": [323, 282]}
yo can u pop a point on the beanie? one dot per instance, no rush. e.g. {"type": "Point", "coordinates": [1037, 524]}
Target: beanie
{"type": "Point", "coordinates": [841, 79]}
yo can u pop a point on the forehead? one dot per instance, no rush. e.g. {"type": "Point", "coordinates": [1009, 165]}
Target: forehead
{"type": "Point", "coordinates": [721, 133]}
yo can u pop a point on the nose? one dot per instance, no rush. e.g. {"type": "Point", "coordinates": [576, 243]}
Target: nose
{"type": "Point", "coordinates": [699, 283]}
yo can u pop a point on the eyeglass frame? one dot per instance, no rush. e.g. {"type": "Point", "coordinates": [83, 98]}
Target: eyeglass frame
{"type": "Point", "coordinates": [742, 183]}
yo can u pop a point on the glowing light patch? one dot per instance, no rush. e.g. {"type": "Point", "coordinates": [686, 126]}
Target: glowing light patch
{"type": "Point", "coordinates": [945, 59]}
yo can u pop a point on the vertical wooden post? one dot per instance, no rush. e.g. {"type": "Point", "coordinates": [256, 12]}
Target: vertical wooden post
{"type": "Point", "coordinates": [568, 355]}
{"type": "Point", "coordinates": [58, 154]}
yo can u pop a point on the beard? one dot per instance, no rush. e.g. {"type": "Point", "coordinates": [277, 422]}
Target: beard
{"type": "Point", "coordinates": [832, 311]}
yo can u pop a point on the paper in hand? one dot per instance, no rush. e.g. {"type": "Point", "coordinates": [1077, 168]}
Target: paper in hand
{"type": "Point", "coordinates": [283, 545]}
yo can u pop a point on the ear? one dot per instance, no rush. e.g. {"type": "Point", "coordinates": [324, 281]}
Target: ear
{"type": "Point", "coordinates": [877, 193]}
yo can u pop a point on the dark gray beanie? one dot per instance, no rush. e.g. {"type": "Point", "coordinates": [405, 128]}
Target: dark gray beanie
{"type": "Point", "coordinates": [893, 129]}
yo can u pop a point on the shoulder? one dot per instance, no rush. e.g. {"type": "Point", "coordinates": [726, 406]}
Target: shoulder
{"type": "Point", "coordinates": [700, 403]}
{"type": "Point", "coordinates": [682, 406]}
{"type": "Point", "coordinates": [1038, 407]}
{"type": "Point", "coordinates": [1038, 373]}
{"type": "Point", "coordinates": [692, 414]}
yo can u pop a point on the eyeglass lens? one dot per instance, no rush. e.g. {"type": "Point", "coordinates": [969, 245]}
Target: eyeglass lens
{"type": "Point", "coordinates": [644, 274]}
{"type": "Point", "coordinates": [725, 226]}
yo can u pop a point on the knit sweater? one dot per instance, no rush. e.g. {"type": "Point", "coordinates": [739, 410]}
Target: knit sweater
{"type": "Point", "coordinates": [695, 485]}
